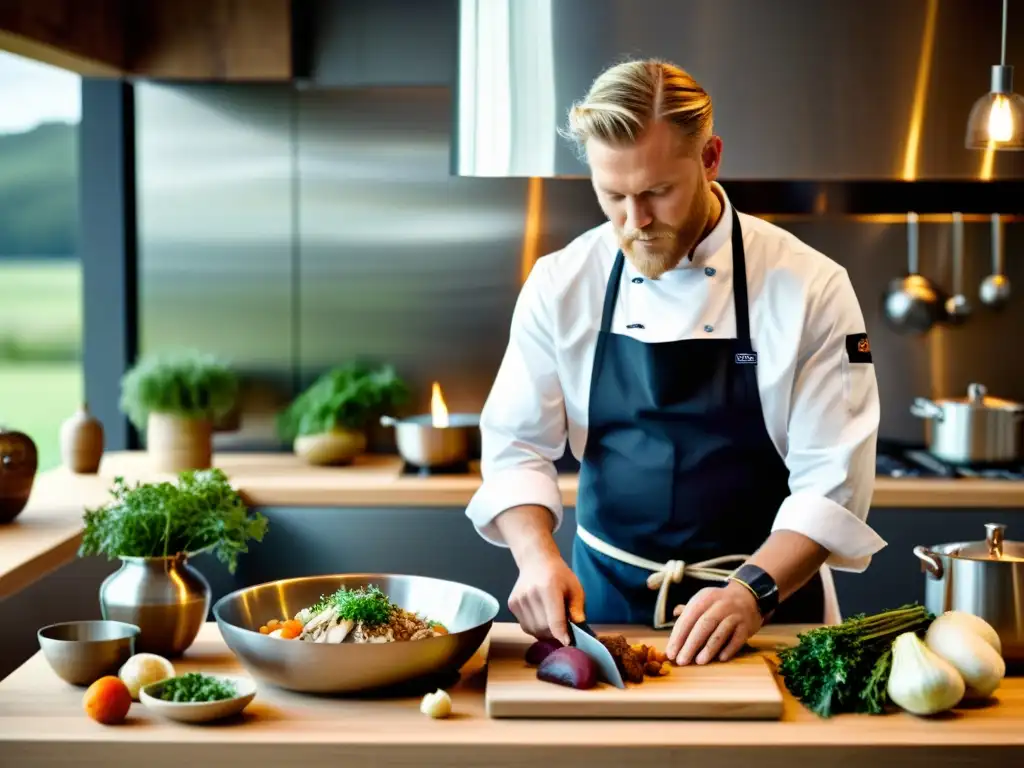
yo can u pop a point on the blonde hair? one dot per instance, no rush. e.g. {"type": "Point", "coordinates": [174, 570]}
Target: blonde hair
{"type": "Point", "coordinates": [626, 98]}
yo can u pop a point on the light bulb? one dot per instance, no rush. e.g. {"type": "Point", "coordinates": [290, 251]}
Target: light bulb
{"type": "Point", "coordinates": [1000, 119]}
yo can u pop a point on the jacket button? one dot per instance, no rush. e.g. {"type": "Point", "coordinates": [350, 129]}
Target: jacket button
{"type": "Point", "coordinates": [638, 280]}
{"type": "Point", "coordinates": [709, 271]}
{"type": "Point", "coordinates": [708, 328]}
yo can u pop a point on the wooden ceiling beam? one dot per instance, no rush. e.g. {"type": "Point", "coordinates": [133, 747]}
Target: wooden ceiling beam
{"type": "Point", "coordinates": [203, 40]}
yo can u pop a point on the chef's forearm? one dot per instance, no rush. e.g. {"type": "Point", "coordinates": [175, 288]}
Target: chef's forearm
{"type": "Point", "coordinates": [791, 559]}
{"type": "Point", "coordinates": [527, 530]}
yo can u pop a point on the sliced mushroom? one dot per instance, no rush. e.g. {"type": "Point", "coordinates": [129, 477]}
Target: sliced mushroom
{"type": "Point", "coordinates": [338, 632]}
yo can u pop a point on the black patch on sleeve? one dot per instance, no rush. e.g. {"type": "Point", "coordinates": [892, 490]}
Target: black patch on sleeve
{"type": "Point", "coordinates": [858, 348]}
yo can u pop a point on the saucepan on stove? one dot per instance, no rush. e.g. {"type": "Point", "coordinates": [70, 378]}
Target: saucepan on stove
{"type": "Point", "coordinates": [425, 444]}
{"type": "Point", "coordinates": [984, 578]}
{"type": "Point", "coordinates": [978, 429]}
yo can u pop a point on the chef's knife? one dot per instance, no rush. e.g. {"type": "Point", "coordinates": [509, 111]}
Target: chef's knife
{"type": "Point", "coordinates": [584, 638]}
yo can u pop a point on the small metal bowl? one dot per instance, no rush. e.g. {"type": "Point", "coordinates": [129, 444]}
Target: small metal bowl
{"type": "Point", "coordinates": [331, 668]}
{"type": "Point", "coordinates": [81, 652]}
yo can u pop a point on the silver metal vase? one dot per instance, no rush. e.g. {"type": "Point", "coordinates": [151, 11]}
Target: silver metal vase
{"type": "Point", "coordinates": [166, 597]}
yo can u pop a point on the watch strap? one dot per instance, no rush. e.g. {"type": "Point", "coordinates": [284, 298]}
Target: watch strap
{"type": "Point", "coordinates": [761, 585]}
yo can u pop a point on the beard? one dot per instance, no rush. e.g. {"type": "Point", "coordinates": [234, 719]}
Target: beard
{"type": "Point", "coordinates": [662, 246]}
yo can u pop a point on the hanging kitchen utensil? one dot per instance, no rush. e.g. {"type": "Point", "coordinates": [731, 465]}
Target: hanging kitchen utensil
{"type": "Point", "coordinates": [913, 304]}
{"type": "Point", "coordinates": [977, 429]}
{"type": "Point", "coordinates": [995, 289]}
{"type": "Point", "coordinates": [957, 306]}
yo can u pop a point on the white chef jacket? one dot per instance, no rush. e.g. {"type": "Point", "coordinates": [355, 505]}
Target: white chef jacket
{"type": "Point", "coordinates": [821, 410]}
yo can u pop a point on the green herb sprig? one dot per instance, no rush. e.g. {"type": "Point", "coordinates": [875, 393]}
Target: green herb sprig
{"type": "Point", "coordinates": [195, 686]}
{"type": "Point", "coordinates": [348, 396]}
{"type": "Point", "coordinates": [185, 383]}
{"type": "Point", "coordinates": [201, 511]}
{"type": "Point", "coordinates": [367, 605]}
{"type": "Point", "coordinates": [845, 667]}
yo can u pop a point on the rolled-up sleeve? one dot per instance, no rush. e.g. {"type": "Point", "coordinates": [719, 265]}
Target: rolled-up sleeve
{"type": "Point", "coordinates": [833, 429]}
{"type": "Point", "coordinates": [522, 425]}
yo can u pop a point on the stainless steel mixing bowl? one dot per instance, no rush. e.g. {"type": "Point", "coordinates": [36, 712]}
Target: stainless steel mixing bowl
{"type": "Point", "coordinates": [466, 612]}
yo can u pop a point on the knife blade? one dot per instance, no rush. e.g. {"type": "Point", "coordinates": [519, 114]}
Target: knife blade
{"type": "Point", "coordinates": [584, 638]}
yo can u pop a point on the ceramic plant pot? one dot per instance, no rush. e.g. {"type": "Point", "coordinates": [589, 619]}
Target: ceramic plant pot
{"type": "Point", "coordinates": [336, 447]}
{"type": "Point", "coordinates": [176, 443]}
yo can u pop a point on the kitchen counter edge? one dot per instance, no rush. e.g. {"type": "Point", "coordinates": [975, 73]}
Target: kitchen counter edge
{"type": "Point", "coordinates": [282, 479]}
{"type": "Point", "coordinates": [292, 727]}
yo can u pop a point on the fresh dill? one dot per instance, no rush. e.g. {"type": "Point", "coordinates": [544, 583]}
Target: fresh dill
{"type": "Point", "coordinates": [368, 605]}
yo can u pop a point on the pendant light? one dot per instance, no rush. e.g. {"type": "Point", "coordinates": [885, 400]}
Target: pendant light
{"type": "Point", "coordinates": [997, 118]}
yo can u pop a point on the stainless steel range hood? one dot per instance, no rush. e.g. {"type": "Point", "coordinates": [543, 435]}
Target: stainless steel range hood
{"type": "Point", "coordinates": [837, 104]}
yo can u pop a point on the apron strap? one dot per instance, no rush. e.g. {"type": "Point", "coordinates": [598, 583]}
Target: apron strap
{"type": "Point", "coordinates": [663, 575]}
{"type": "Point", "coordinates": [739, 285]}
{"type": "Point", "coordinates": [611, 292]}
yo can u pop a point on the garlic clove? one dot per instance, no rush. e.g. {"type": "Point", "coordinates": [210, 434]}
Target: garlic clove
{"type": "Point", "coordinates": [920, 681]}
{"type": "Point", "coordinates": [977, 662]}
{"type": "Point", "coordinates": [437, 704]}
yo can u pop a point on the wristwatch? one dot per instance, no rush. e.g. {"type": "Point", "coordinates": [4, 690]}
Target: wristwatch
{"type": "Point", "coordinates": [761, 585]}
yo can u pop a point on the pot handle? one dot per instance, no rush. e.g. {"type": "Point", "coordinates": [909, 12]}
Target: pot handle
{"type": "Point", "coordinates": [930, 562]}
{"type": "Point", "coordinates": [388, 421]}
{"type": "Point", "coordinates": [924, 408]}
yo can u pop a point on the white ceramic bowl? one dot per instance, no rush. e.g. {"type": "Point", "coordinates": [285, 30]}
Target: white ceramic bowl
{"type": "Point", "coordinates": [199, 711]}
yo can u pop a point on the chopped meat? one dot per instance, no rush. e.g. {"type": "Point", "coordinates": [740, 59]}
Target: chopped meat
{"type": "Point", "coordinates": [634, 661]}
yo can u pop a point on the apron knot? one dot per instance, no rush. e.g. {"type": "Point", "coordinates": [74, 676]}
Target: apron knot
{"type": "Point", "coordinates": [663, 575]}
{"type": "Point", "coordinates": [671, 573]}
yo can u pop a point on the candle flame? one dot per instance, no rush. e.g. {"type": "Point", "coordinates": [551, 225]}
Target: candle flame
{"type": "Point", "coordinates": [438, 409]}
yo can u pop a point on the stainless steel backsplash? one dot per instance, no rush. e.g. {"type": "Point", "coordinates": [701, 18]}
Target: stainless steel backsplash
{"type": "Point", "coordinates": [291, 230]}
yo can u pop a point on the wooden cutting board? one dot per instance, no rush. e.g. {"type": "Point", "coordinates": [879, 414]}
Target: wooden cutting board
{"type": "Point", "coordinates": [743, 688]}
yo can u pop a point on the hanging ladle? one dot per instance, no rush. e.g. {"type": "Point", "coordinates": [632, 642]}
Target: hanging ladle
{"type": "Point", "coordinates": [913, 304]}
{"type": "Point", "coordinates": [957, 305]}
{"type": "Point", "coordinates": [995, 289]}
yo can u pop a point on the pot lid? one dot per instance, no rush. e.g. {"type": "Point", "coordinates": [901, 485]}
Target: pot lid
{"type": "Point", "coordinates": [978, 397]}
{"type": "Point", "coordinates": [994, 548]}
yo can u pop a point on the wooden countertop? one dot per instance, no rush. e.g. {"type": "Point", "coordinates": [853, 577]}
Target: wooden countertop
{"type": "Point", "coordinates": [47, 533]}
{"type": "Point", "coordinates": [42, 723]}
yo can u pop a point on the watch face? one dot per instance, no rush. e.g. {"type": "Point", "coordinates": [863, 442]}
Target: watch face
{"type": "Point", "coordinates": [763, 586]}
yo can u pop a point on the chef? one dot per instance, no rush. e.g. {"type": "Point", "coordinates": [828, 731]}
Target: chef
{"type": "Point", "coordinates": [714, 378]}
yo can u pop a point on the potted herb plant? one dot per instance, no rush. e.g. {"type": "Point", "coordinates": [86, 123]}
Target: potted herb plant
{"type": "Point", "coordinates": [154, 528]}
{"type": "Point", "coordinates": [327, 422]}
{"type": "Point", "coordinates": [177, 398]}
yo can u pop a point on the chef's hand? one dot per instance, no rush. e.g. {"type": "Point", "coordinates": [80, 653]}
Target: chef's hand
{"type": "Point", "coordinates": [545, 589]}
{"type": "Point", "coordinates": [716, 622]}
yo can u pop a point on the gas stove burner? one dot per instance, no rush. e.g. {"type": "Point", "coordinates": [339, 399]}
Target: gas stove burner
{"type": "Point", "coordinates": [458, 468]}
{"type": "Point", "coordinates": [915, 461]}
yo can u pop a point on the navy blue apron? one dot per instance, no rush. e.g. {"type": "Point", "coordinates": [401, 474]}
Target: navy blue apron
{"type": "Point", "coordinates": [678, 464]}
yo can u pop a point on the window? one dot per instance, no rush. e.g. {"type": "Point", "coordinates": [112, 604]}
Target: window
{"type": "Point", "coordinates": [40, 271]}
